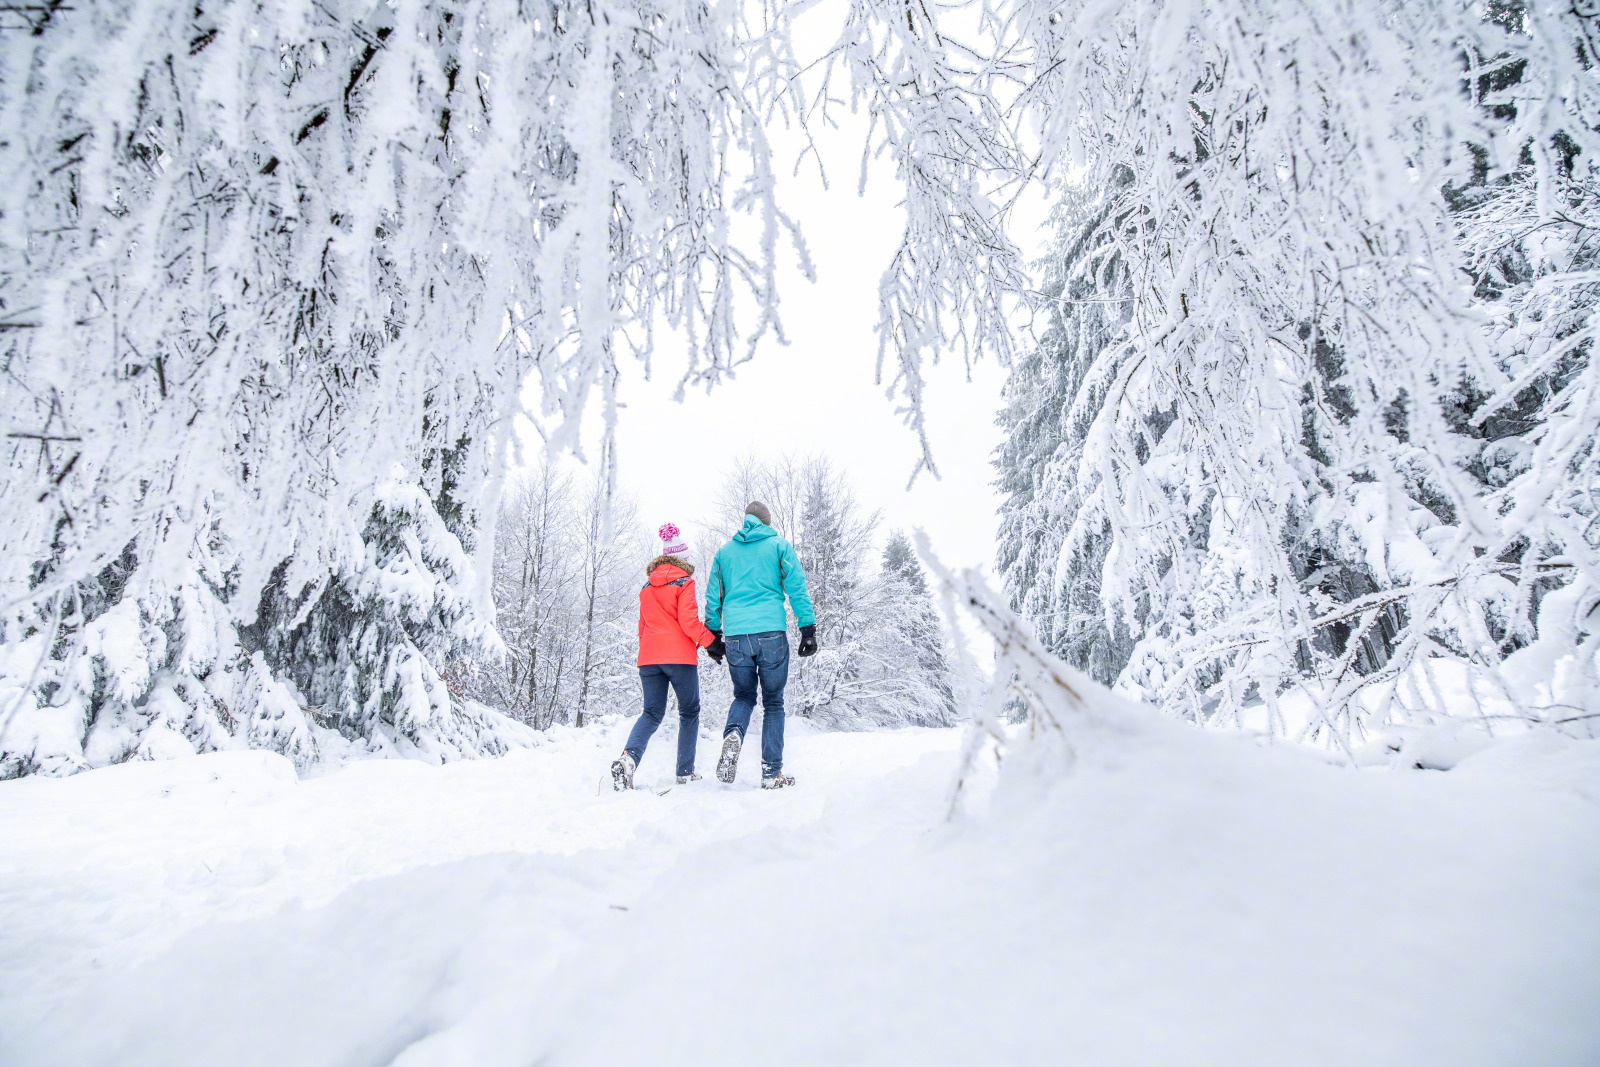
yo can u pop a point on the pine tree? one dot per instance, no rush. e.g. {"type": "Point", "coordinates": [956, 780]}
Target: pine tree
{"type": "Point", "coordinates": [909, 649]}
{"type": "Point", "coordinates": [1323, 466]}
{"type": "Point", "coordinates": [381, 649]}
{"type": "Point", "coordinates": [1054, 537]}
{"type": "Point", "coordinates": [832, 544]}
{"type": "Point", "coordinates": [900, 564]}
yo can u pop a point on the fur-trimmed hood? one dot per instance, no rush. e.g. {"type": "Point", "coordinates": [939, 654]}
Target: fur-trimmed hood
{"type": "Point", "coordinates": [676, 561]}
{"type": "Point", "coordinates": [670, 630]}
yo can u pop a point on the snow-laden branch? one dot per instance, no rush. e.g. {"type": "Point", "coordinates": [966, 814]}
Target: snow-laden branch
{"type": "Point", "coordinates": [1314, 403]}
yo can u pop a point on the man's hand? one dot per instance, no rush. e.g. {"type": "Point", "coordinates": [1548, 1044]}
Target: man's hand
{"type": "Point", "coordinates": [808, 640]}
{"type": "Point", "coordinates": [716, 649]}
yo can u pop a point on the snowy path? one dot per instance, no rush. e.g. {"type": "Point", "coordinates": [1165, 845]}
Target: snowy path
{"type": "Point", "coordinates": [1189, 899]}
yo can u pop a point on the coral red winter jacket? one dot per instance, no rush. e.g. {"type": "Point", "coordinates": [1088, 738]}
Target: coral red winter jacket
{"type": "Point", "coordinates": [670, 630]}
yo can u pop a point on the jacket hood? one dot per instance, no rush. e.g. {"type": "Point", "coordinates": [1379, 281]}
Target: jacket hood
{"type": "Point", "coordinates": [754, 530]}
{"type": "Point", "coordinates": [657, 570]}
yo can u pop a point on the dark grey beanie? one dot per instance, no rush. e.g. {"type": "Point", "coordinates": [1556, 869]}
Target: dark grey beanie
{"type": "Point", "coordinates": [759, 510]}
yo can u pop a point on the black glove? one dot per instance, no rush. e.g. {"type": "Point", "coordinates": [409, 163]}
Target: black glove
{"type": "Point", "coordinates": [716, 649]}
{"type": "Point", "coordinates": [808, 640]}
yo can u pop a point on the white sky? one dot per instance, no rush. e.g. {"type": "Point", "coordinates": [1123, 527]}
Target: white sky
{"type": "Point", "coordinates": [816, 395]}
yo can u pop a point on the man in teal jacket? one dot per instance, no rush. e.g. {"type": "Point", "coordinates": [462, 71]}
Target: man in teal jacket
{"type": "Point", "coordinates": [749, 579]}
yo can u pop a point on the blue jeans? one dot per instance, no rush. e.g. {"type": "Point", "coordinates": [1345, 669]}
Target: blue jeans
{"type": "Point", "coordinates": [759, 659]}
{"type": "Point", "coordinates": [685, 680]}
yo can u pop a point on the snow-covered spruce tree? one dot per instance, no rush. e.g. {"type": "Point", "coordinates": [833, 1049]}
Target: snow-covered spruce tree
{"type": "Point", "coordinates": [1052, 548]}
{"type": "Point", "coordinates": [908, 654]}
{"type": "Point", "coordinates": [255, 259]}
{"type": "Point", "coordinates": [1531, 239]}
{"type": "Point", "coordinates": [1240, 271]}
{"type": "Point", "coordinates": [1280, 439]}
{"type": "Point", "coordinates": [370, 651]}
{"type": "Point", "coordinates": [833, 543]}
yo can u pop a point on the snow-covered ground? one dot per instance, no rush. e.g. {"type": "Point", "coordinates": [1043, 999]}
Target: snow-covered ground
{"type": "Point", "coordinates": [1174, 897]}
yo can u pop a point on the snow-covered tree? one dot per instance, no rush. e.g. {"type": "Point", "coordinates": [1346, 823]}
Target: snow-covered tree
{"type": "Point", "coordinates": [369, 651]}
{"type": "Point", "coordinates": [263, 266]}
{"type": "Point", "coordinates": [255, 258]}
{"type": "Point", "coordinates": [1053, 550]}
{"type": "Point", "coordinates": [1529, 241]}
{"type": "Point", "coordinates": [907, 652]}
{"type": "Point", "coordinates": [611, 561]}
{"type": "Point", "coordinates": [1282, 463]}
{"type": "Point", "coordinates": [534, 572]}
{"type": "Point", "coordinates": [566, 594]}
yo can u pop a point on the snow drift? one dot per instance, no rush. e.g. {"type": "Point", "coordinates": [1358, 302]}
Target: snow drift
{"type": "Point", "coordinates": [1180, 897]}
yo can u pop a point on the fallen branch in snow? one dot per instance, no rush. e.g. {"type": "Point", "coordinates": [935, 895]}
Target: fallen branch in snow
{"type": "Point", "coordinates": [1056, 694]}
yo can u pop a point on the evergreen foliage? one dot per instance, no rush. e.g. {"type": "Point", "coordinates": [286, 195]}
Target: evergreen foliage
{"type": "Point", "coordinates": [1311, 418]}
{"type": "Point", "coordinates": [1313, 413]}
{"type": "Point", "coordinates": [1052, 548]}
{"type": "Point", "coordinates": [272, 277]}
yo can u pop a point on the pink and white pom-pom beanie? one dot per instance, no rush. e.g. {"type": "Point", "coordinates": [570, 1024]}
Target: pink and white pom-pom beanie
{"type": "Point", "coordinates": [672, 538]}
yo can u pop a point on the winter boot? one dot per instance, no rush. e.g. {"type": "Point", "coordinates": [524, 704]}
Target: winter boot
{"type": "Point", "coordinates": [622, 769]}
{"type": "Point", "coordinates": [729, 763]}
{"type": "Point", "coordinates": [777, 781]}
{"type": "Point", "coordinates": [685, 779]}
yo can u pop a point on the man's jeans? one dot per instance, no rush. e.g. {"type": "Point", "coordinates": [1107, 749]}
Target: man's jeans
{"type": "Point", "coordinates": [760, 659]}
{"type": "Point", "coordinates": [685, 679]}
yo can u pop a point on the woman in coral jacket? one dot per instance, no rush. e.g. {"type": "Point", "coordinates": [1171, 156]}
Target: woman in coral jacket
{"type": "Point", "coordinates": [670, 639]}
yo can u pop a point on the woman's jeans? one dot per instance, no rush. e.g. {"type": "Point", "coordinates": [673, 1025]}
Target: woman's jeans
{"type": "Point", "coordinates": [760, 659]}
{"type": "Point", "coordinates": [685, 681]}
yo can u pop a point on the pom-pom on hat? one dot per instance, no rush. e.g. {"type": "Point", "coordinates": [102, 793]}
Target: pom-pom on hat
{"type": "Point", "coordinates": [672, 539]}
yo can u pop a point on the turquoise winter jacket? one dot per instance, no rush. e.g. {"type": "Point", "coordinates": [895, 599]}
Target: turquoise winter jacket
{"type": "Point", "coordinates": [749, 578]}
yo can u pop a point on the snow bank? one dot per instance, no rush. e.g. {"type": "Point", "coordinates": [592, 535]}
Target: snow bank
{"type": "Point", "coordinates": [1179, 897]}
{"type": "Point", "coordinates": [1192, 901]}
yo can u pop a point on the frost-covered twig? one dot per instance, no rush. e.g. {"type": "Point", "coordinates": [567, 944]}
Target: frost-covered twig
{"type": "Point", "coordinates": [1063, 702]}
